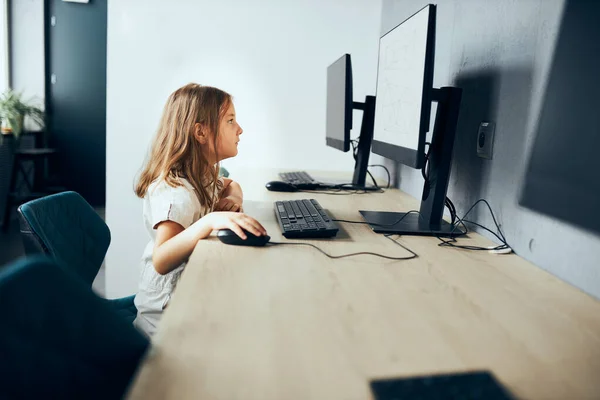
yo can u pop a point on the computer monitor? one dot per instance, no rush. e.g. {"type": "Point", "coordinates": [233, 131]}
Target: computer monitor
{"type": "Point", "coordinates": [561, 177]}
{"type": "Point", "coordinates": [402, 115]}
{"type": "Point", "coordinates": [340, 105]}
{"type": "Point", "coordinates": [404, 89]}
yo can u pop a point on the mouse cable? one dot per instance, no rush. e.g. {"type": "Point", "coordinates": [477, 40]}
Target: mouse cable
{"type": "Point", "coordinates": [413, 254]}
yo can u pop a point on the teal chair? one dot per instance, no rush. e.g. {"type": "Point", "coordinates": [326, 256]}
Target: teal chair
{"type": "Point", "coordinates": [58, 339]}
{"type": "Point", "coordinates": [65, 227]}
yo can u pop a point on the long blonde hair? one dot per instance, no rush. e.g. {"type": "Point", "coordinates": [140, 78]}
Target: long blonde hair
{"type": "Point", "coordinates": [176, 152]}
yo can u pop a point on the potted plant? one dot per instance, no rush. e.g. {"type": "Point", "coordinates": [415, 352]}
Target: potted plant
{"type": "Point", "coordinates": [13, 111]}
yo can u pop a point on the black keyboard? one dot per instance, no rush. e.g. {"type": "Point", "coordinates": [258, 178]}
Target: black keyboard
{"type": "Point", "coordinates": [476, 385]}
{"type": "Point", "coordinates": [304, 219]}
{"type": "Point", "coordinates": [300, 179]}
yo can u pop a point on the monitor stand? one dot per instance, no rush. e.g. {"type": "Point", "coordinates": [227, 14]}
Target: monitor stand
{"type": "Point", "coordinates": [364, 141]}
{"type": "Point", "coordinates": [429, 220]}
{"type": "Point", "coordinates": [361, 163]}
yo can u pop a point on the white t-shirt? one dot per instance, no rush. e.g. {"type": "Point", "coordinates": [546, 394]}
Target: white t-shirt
{"type": "Point", "coordinates": [162, 203]}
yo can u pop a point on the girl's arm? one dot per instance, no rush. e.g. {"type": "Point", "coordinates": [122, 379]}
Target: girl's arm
{"type": "Point", "coordinates": [174, 244]}
{"type": "Point", "coordinates": [233, 191]}
{"type": "Point", "coordinates": [231, 198]}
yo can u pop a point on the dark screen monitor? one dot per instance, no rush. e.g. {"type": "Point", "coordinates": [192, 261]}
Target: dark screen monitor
{"type": "Point", "coordinates": [561, 178]}
{"type": "Point", "coordinates": [339, 104]}
{"type": "Point", "coordinates": [404, 88]}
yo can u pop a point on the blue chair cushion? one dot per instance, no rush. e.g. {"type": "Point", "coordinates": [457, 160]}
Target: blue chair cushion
{"type": "Point", "coordinates": [60, 340]}
{"type": "Point", "coordinates": [124, 307]}
{"type": "Point", "coordinates": [70, 230]}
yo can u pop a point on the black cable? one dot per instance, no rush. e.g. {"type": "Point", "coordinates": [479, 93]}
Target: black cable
{"type": "Point", "coordinates": [352, 254]}
{"type": "Point", "coordinates": [425, 174]}
{"type": "Point", "coordinates": [424, 170]}
{"type": "Point", "coordinates": [388, 236]}
{"type": "Point", "coordinates": [486, 228]}
{"type": "Point", "coordinates": [373, 179]}
{"type": "Point", "coordinates": [451, 208]}
{"type": "Point", "coordinates": [460, 221]}
{"type": "Point", "coordinates": [491, 212]}
{"type": "Point", "coordinates": [354, 149]}
{"type": "Point", "coordinates": [500, 235]}
{"type": "Point", "coordinates": [389, 179]}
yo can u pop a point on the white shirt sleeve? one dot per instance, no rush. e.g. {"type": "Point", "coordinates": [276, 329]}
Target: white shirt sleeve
{"type": "Point", "coordinates": [169, 203]}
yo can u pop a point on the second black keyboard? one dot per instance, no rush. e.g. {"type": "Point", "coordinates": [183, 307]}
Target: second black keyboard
{"type": "Point", "coordinates": [300, 179]}
{"type": "Point", "coordinates": [304, 219]}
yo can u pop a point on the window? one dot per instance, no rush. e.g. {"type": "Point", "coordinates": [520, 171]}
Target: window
{"type": "Point", "coordinates": [3, 45]}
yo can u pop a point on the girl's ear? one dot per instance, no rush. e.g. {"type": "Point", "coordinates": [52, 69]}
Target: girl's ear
{"type": "Point", "coordinates": [200, 133]}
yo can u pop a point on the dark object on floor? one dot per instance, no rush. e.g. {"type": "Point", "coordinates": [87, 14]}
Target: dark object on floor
{"type": "Point", "coordinates": [65, 227]}
{"type": "Point", "coordinates": [479, 385]}
{"type": "Point", "coordinates": [60, 340]}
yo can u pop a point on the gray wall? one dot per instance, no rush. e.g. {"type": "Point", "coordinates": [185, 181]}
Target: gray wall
{"type": "Point", "coordinates": [499, 52]}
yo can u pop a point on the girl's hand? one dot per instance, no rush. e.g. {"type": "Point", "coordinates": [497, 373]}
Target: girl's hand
{"type": "Point", "coordinates": [228, 204]}
{"type": "Point", "coordinates": [237, 222]}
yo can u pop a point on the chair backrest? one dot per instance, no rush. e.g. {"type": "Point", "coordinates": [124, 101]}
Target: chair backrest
{"type": "Point", "coordinates": [65, 227]}
{"type": "Point", "coordinates": [60, 340]}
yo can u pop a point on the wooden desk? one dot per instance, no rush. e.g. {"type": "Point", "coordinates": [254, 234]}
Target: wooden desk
{"type": "Point", "coordinates": [288, 323]}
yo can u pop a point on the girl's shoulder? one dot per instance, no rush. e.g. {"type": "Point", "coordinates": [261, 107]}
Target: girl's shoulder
{"type": "Point", "coordinates": [182, 189]}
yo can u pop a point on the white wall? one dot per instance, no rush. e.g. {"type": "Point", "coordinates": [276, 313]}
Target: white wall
{"type": "Point", "coordinates": [271, 55]}
{"type": "Point", "coordinates": [27, 47]}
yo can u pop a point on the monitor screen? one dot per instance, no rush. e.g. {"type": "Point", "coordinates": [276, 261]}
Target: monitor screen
{"type": "Point", "coordinates": [404, 84]}
{"type": "Point", "coordinates": [339, 103]}
{"type": "Point", "coordinates": [561, 178]}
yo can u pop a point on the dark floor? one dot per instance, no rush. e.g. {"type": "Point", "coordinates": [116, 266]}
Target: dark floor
{"type": "Point", "coordinates": [11, 248]}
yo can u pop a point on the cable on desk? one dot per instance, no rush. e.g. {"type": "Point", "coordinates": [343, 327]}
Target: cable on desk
{"type": "Point", "coordinates": [459, 221]}
{"type": "Point", "coordinates": [499, 235]}
{"type": "Point", "coordinates": [413, 254]}
{"type": "Point", "coordinates": [388, 236]}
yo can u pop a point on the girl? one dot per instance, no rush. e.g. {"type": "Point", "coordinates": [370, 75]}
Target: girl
{"type": "Point", "coordinates": [183, 198]}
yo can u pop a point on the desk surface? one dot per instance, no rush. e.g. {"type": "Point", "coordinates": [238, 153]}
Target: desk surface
{"type": "Point", "coordinates": [286, 322]}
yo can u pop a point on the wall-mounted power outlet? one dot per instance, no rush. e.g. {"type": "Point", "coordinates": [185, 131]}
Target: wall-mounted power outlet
{"type": "Point", "coordinates": [485, 140]}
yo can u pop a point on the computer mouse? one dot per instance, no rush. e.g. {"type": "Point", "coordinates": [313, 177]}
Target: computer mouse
{"type": "Point", "coordinates": [228, 236]}
{"type": "Point", "coordinates": [280, 186]}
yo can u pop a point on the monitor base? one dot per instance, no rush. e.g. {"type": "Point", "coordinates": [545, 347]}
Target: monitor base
{"type": "Point", "coordinates": [407, 224]}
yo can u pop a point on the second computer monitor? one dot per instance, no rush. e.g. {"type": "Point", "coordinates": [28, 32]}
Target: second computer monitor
{"type": "Point", "coordinates": [404, 84]}
{"type": "Point", "coordinates": [339, 103]}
